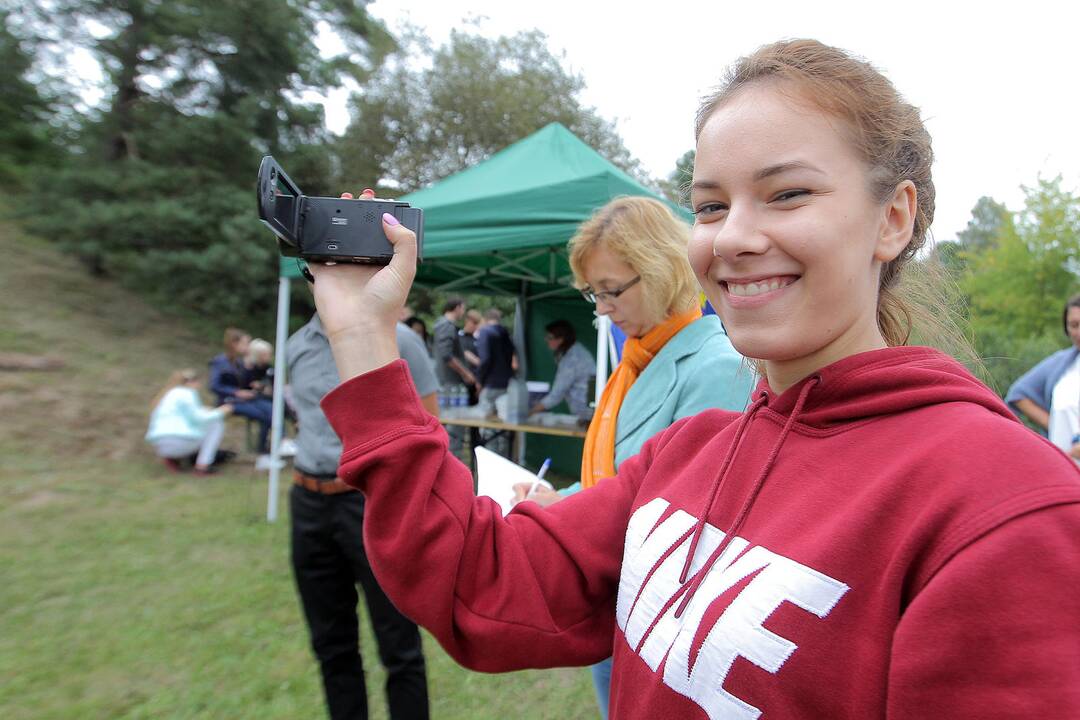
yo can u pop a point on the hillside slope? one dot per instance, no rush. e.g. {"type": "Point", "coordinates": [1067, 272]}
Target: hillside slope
{"type": "Point", "coordinates": [129, 592]}
{"type": "Point", "coordinates": [116, 349]}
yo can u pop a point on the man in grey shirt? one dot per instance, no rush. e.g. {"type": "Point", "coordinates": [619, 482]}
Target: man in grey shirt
{"type": "Point", "coordinates": [450, 365]}
{"type": "Point", "coordinates": [328, 555]}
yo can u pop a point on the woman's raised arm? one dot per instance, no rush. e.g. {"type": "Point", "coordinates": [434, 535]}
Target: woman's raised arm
{"type": "Point", "coordinates": [359, 304]}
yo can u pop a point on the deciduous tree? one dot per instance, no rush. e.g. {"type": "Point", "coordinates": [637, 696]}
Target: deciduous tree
{"type": "Point", "coordinates": [436, 111]}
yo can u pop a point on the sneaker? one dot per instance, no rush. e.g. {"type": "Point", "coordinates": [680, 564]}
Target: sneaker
{"type": "Point", "coordinates": [172, 465]}
{"type": "Point", "coordinates": [265, 462]}
{"type": "Point", "coordinates": [288, 447]}
{"type": "Point", "coordinates": [203, 472]}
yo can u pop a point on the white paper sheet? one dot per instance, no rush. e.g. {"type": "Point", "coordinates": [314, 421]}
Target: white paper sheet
{"type": "Point", "coordinates": [496, 477]}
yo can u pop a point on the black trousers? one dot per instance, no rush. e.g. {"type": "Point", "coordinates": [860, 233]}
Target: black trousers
{"type": "Point", "coordinates": [328, 561]}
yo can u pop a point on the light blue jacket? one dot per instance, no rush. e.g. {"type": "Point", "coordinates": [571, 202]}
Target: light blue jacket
{"type": "Point", "coordinates": [181, 414]}
{"type": "Point", "coordinates": [696, 370]}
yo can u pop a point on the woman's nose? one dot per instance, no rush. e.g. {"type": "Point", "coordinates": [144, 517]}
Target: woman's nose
{"type": "Point", "coordinates": [740, 233]}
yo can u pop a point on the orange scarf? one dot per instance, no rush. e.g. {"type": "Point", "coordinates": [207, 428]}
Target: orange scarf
{"type": "Point", "coordinates": [598, 460]}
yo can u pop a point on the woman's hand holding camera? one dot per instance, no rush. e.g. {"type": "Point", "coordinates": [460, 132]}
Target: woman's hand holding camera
{"type": "Point", "coordinates": [359, 305]}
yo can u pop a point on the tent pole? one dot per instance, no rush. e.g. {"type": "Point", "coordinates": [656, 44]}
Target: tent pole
{"type": "Point", "coordinates": [521, 342]}
{"type": "Point", "coordinates": [603, 350]}
{"type": "Point", "coordinates": [278, 412]}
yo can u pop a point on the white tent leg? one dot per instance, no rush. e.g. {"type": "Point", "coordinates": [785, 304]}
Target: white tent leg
{"type": "Point", "coordinates": [604, 349]}
{"type": "Point", "coordinates": [278, 415]}
{"type": "Point", "coordinates": [521, 339]}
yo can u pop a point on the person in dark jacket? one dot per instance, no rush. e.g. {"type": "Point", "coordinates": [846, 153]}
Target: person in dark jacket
{"type": "Point", "coordinates": [229, 381]}
{"type": "Point", "coordinates": [498, 359]}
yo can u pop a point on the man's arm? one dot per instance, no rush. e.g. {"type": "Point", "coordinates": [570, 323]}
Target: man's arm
{"type": "Point", "coordinates": [414, 354]}
{"type": "Point", "coordinates": [1038, 415]}
{"type": "Point", "coordinates": [454, 364]}
{"type": "Point", "coordinates": [217, 381]}
{"type": "Point", "coordinates": [444, 353]}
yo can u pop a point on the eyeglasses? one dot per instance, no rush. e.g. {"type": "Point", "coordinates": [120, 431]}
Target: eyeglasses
{"type": "Point", "coordinates": [607, 295]}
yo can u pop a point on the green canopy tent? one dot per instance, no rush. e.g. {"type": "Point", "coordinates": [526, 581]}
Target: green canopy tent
{"type": "Point", "coordinates": [501, 227]}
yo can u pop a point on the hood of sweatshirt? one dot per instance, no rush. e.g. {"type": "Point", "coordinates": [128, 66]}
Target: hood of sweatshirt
{"type": "Point", "coordinates": [881, 382]}
{"type": "Point", "coordinates": [852, 391]}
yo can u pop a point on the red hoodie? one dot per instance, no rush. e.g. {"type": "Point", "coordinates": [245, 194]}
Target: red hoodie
{"type": "Point", "coordinates": [898, 546]}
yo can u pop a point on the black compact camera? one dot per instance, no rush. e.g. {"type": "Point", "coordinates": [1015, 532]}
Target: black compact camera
{"type": "Point", "coordinates": [323, 229]}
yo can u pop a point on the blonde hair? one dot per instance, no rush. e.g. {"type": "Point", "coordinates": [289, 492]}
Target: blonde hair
{"type": "Point", "coordinates": [258, 347]}
{"type": "Point", "coordinates": [176, 379]}
{"type": "Point", "coordinates": [645, 235]}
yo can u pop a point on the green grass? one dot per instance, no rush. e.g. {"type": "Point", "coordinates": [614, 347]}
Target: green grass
{"type": "Point", "coordinates": [128, 592]}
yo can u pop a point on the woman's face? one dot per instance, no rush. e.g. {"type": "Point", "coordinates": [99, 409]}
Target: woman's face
{"type": "Point", "coordinates": [1072, 324]}
{"type": "Point", "coordinates": [788, 242]}
{"type": "Point", "coordinates": [605, 271]}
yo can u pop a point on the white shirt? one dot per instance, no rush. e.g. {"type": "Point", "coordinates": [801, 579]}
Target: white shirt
{"type": "Point", "coordinates": [1065, 409]}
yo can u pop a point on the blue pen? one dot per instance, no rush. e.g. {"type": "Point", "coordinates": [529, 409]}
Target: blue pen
{"type": "Point", "coordinates": [539, 476]}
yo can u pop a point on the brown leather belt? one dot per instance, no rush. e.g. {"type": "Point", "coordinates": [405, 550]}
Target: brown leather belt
{"type": "Point", "coordinates": [323, 487]}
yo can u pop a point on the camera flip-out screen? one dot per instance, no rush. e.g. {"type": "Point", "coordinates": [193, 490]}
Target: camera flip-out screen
{"type": "Point", "coordinates": [324, 229]}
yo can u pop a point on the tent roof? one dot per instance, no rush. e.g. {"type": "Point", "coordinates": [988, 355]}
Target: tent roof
{"type": "Point", "coordinates": [508, 219]}
{"type": "Point", "coordinates": [553, 155]}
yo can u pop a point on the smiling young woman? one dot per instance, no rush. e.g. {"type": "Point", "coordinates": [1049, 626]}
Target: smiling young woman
{"type": "Point", "coordinates": [875, 537]}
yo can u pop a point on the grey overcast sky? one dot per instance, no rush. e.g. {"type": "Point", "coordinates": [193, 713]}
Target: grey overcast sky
{"type": "Point", "coordinates": [996, 81]}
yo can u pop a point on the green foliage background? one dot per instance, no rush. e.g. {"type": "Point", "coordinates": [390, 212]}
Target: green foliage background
{"type": "Point", "coordinates": [153, 184]}
{"type": "Point", "coordinates": [1016, 270]}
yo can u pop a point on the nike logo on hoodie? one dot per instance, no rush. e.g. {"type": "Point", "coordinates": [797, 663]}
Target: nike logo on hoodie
{"type": "Point", "coordinates": [646, 610]}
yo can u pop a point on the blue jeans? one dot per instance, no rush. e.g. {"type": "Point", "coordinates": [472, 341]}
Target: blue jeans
{"type": "Point", "coordinates": [259, 409]}
{"type": "Point", "coordinates": [601, 678]}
